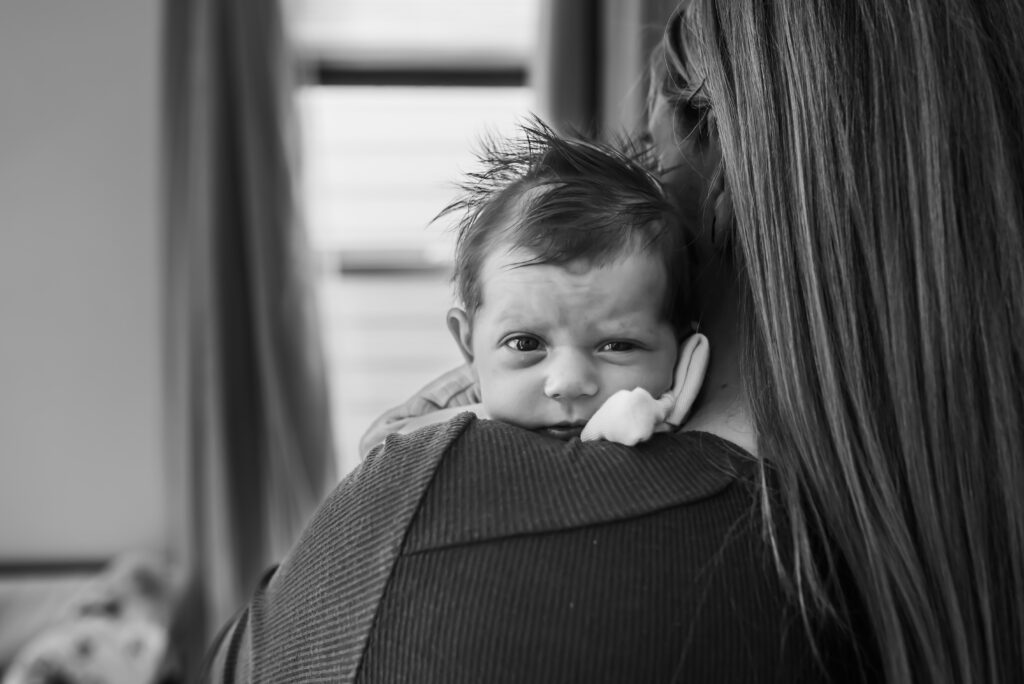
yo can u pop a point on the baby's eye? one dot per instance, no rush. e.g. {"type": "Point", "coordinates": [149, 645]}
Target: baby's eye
{"type": "Point", "coordinates": [617, 346]}
{"type": "Point", "coordinates": [523, 343]}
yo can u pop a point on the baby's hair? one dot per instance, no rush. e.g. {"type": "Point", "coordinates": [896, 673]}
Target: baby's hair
{"type": "Point", "coordinates": [565, 199]}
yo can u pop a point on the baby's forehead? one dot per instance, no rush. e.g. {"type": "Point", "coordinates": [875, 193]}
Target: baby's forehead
{"type": "Point", "coordinates": [509, 255]}
{"type": "Point", "coordinates": [633, 277]}
{"type": "Point", "coordinates": [512, 245]}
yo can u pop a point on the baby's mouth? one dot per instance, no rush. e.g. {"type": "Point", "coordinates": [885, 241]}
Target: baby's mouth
{"type": "Point", "coordinates": [564, 430]}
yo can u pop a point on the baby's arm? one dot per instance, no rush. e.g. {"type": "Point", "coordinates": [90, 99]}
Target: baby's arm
{"type": "Point", "coordinates": [439, 416]}
{"type": "Point", "coordinates": [443, 398]}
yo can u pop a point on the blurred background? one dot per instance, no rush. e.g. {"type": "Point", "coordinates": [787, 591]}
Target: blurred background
{"type": "Point", "coordinates": [218, 262]}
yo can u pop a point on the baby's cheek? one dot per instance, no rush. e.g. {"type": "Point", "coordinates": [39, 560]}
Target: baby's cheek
{"type": "Point", "coordinates": [660, 377]}
{"type": "Point", "coordinates": [508, 398]}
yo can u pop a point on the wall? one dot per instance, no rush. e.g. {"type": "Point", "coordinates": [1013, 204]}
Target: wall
{"type": "Point", "coordinates": [80, 394]}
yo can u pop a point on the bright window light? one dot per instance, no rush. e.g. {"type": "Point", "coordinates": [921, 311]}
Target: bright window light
{"type": "Point", "coordinates": [380, 160]}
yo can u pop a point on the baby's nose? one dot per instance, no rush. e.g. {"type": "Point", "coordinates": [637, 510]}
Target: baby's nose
{"type": "Point", "coordinates": [570, 376]}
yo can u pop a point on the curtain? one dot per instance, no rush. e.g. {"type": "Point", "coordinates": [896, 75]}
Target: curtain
{"type": "Point", "coordinates": [590, 71]}
{"type": "Point", "coordinates": [249, 439]}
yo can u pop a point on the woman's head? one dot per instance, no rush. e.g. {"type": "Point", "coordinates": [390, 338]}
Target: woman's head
{"type": "Point", "coordinates": [873, 155]}
{"type": "Point", "coordinates": [681, 125]}
{"type": "Point", "coordinates": [682, 131]}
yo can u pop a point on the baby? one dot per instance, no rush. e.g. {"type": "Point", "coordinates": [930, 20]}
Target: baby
{"type": "Point", "coordinates": [572, 275]}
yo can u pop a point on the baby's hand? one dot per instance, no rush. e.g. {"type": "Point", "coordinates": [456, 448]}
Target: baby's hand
{"type": "Point", "coordinates": [632, 416]}
{"type": "Point", "coordinates": [456, 388]}
{"type": "Point", "coordinates": [628, 417]}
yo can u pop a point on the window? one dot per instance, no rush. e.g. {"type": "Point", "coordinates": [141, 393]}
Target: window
{"type": "Point", "coordinates": [399, 94]}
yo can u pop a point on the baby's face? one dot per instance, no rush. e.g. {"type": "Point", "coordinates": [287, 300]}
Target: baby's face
{"type": "Point", "coordinates": [550, 343]}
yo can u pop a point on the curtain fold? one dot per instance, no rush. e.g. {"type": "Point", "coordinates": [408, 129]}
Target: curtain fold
{"type": "Point", "coordinates": [590, 69]}
{"type": "Point", "coordinates": [250, 444]}
{"type": "Point", "coordinates": [566, 71]}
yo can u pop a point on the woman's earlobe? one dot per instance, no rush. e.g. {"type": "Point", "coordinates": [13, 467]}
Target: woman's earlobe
{"type": "Point", "coordinates": [460, 327]}
{"type": "Point", "coordinates": [722, 220]}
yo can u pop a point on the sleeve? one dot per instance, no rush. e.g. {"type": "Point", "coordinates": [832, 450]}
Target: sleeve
{"type": "Point", "coordinates": [311, 615]}
{"type": "Point", "coordinates": [456, 387]}
{"type": "Point", "coordinates": [227, 660]}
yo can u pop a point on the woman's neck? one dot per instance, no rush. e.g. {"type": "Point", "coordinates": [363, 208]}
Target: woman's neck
{"type": "Point", "coordinates": [722, 408]}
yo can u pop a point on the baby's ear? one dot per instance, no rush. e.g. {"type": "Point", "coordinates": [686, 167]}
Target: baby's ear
{"type": "Point", "coordinates": [460, 328]}
{"type": "Point", "coordinates": [689, 377]}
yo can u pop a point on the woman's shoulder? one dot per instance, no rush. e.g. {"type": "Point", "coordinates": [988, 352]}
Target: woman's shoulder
{"type": "Point", "coordinates": [326, 589]}
{"type": "Point", "coordinates": [654, 552]}
{"type": "Point", "coordinates": [520, 534]}
{"type": "Point", "coordinates": [496, 479]}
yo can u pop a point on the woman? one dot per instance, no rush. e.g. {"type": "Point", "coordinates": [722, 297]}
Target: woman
{"type": "Point", "coordinates": [479, 551]}
{"type": "Point", "coordinates": [873, 155]}
{"type": "Point", "coordinates": [475, 550]}
{"type": "Point", "coordinates": [854, 174]}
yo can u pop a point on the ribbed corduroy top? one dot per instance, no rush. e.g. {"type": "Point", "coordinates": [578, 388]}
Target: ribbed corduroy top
{"type": "Point", "coordinates": [475, 551]}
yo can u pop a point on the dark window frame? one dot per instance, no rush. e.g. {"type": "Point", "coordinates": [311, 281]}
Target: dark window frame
{"type": "Point", "coordinates": [327, 71]}
{"type": "Point", "coordinates": [330, 73]}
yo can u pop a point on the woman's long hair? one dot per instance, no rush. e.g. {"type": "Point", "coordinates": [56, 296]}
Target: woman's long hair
{"type": "Point", "coordinates": [874, 150]}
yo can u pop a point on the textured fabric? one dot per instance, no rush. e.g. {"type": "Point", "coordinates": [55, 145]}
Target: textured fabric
{"type": "Point", "coordinates": [476, 551]}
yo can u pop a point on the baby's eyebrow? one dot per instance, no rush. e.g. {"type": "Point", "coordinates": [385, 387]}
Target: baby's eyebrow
{"type": "Point", "coordinates": [508, 326]}
{"type": "Point", "coordinates": [624, 326]}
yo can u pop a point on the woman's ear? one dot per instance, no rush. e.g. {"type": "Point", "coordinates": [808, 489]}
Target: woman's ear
{"type": "Point", "coordinates": [460, 328]}
{"type": "Point", "coordinates": [721, 202]}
